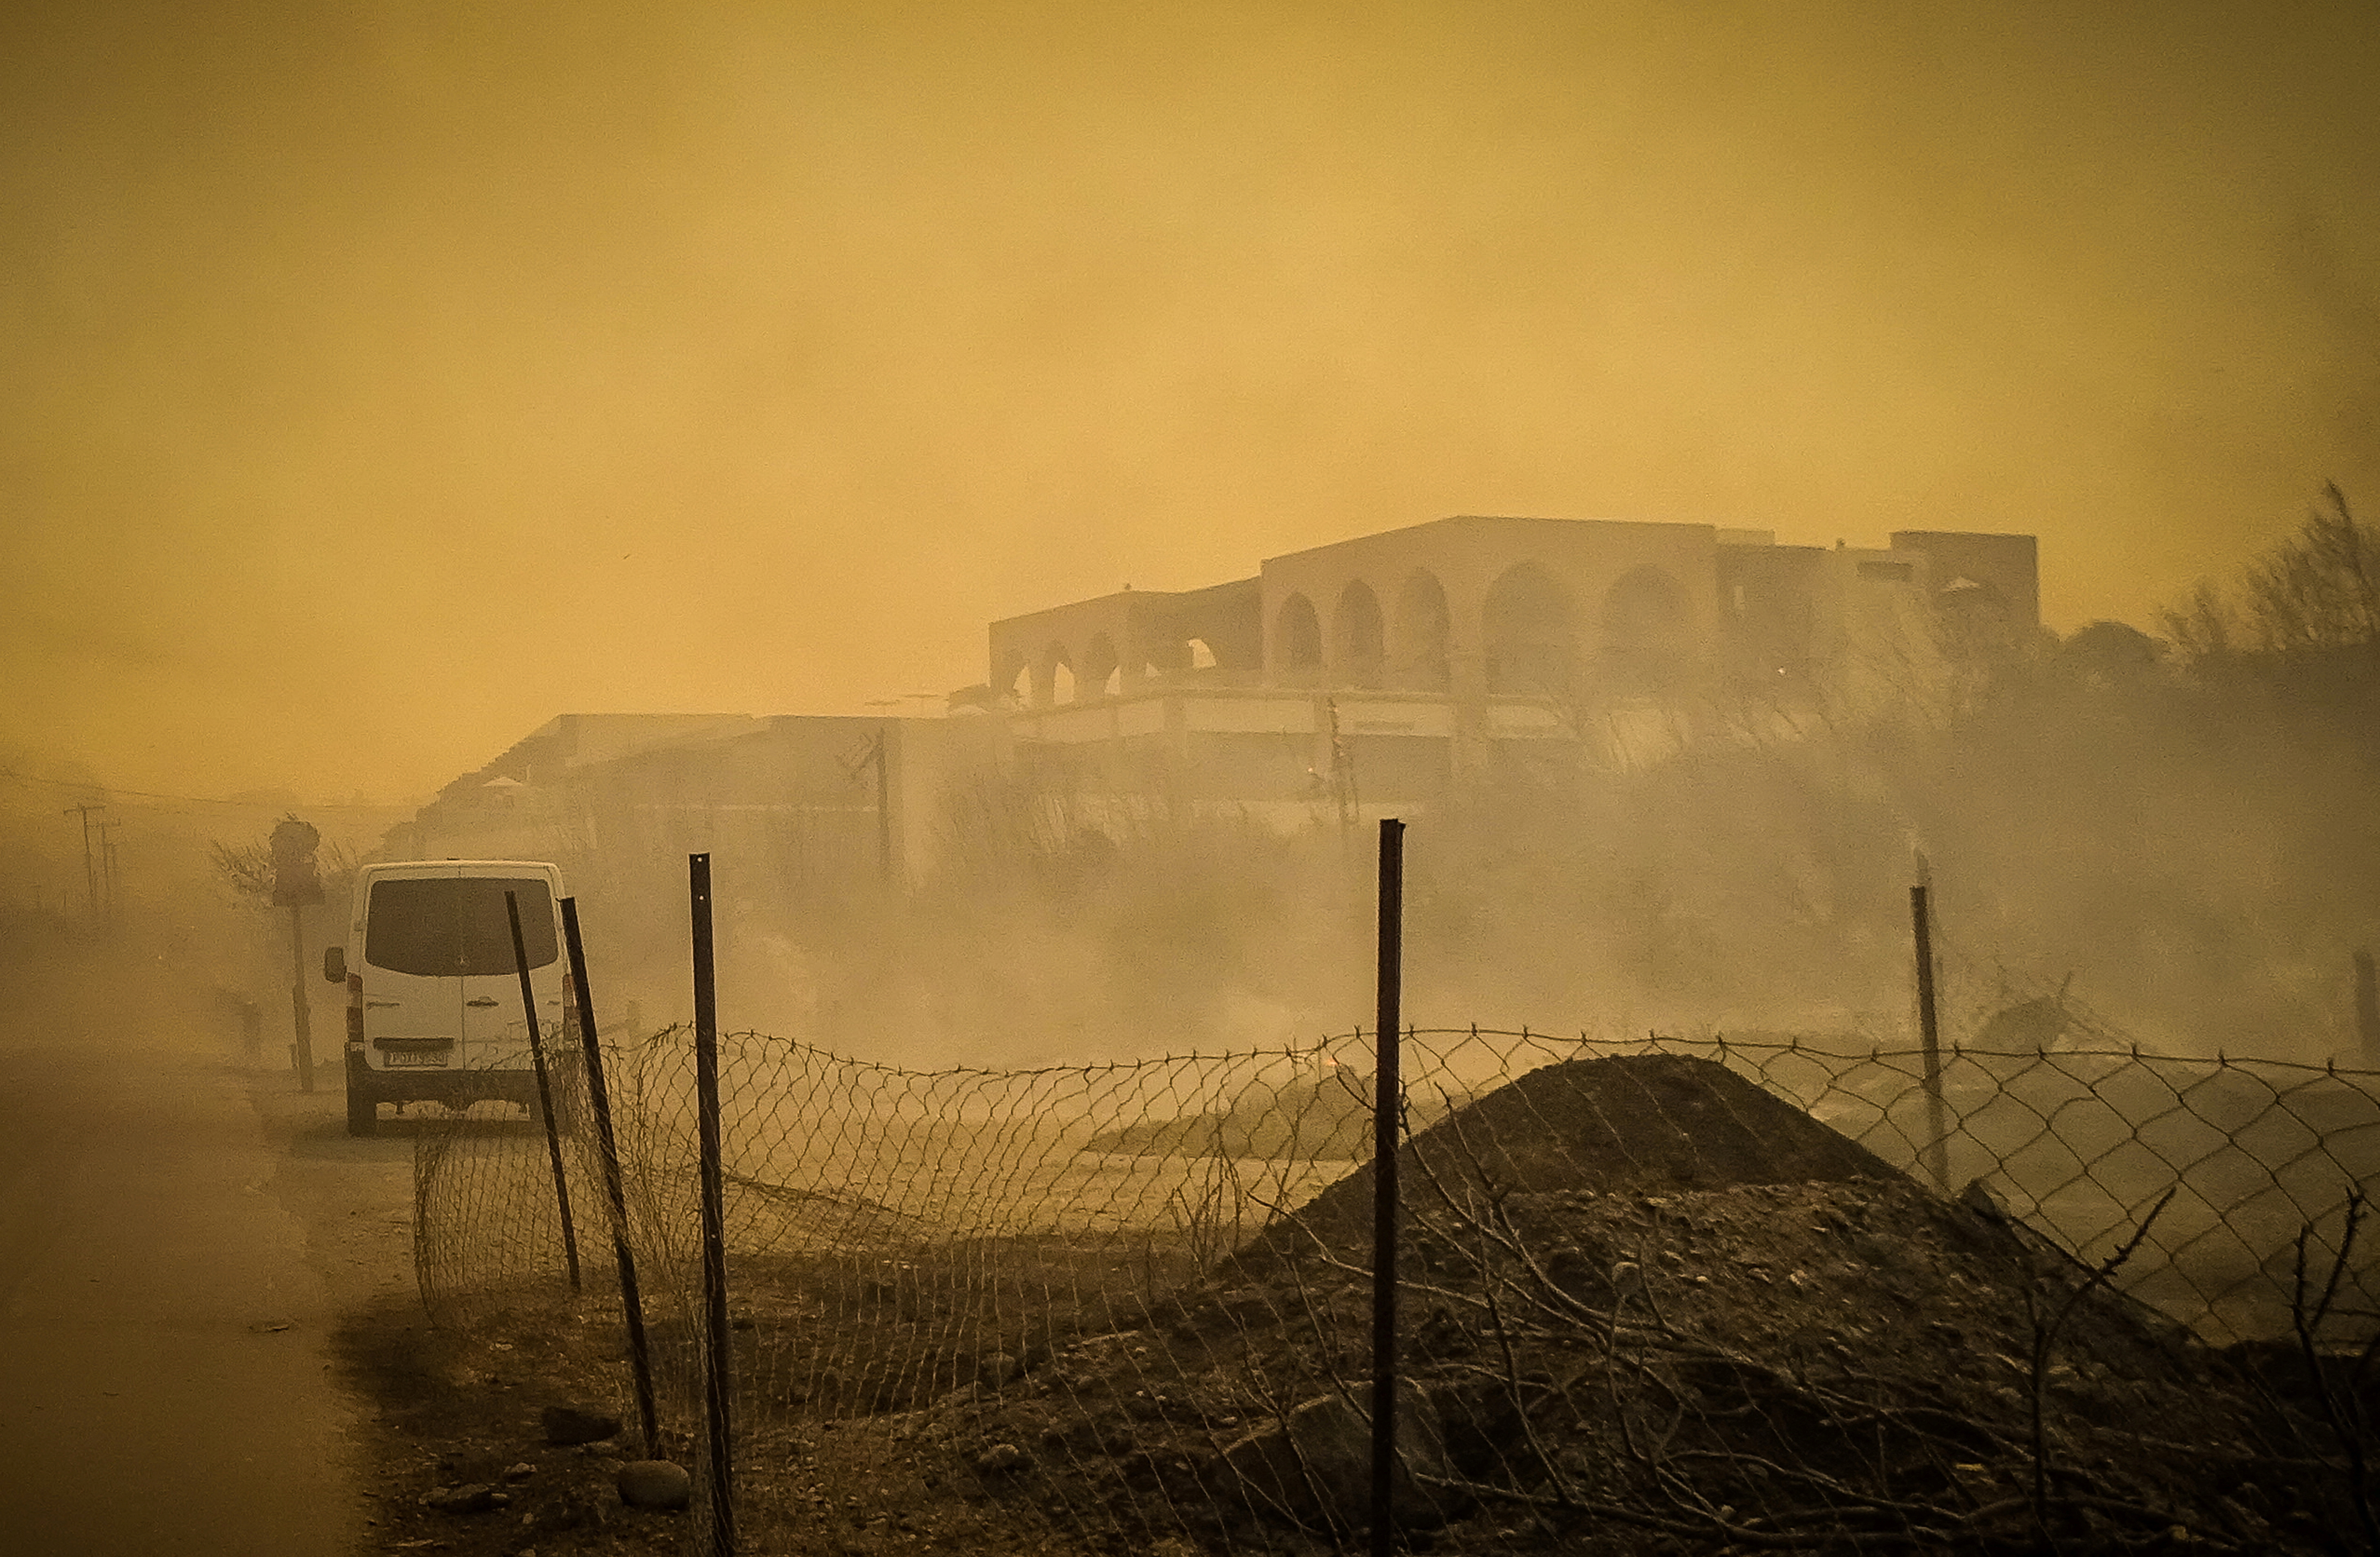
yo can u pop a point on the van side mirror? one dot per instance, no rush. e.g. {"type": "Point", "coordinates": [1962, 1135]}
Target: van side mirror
{"type": "Point", "coordinates": [334, 964]}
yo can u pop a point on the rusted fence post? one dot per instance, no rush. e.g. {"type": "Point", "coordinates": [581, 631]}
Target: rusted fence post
{"type": "Point", "coordinates": [2367, 1007]}
{"type": "Point", "coordinates": [598, 1103]}
{"type": "Point", "coordinates": [544, 1088]}
{"type": "Point", "coordinates": [1929, 1030]}
{"type": "Point", "coordinates": [1388, 1106]}
{"type": "Point", "coordinates": [715, 1356]}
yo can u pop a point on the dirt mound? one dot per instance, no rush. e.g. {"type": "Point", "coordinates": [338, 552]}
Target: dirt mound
{"type": "Point", "coordinates": [1821, 1367]}
{"type": "Point", "coordinates": [1636, 1123]}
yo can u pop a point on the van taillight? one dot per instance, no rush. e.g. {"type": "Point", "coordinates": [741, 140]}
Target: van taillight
{"type": "Point", "coordinates": [356, 1008]}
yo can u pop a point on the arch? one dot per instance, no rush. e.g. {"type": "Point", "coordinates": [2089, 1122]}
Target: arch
{"type": "Point", "coordinates": [1020, 687]}
{"type": "Point", "coordinates": [1526, 631]}
{"type": "Point", "coordinates": [1101, 672]}
{"type": "Point", "coordinates": [1297, 634]}
{"type": "Point", "coordinates": [1055, 682]}
{"type": "Point", "coordinates": [1201, 657]}
{"type": "Point", "coordinates": [1358, 636]}
{"type": "Point", "coordinates": [1423, 629]}
{"type": "Point", "coordinates": [1647, 630]}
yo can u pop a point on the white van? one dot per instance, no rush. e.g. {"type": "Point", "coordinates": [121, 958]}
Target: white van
{"type": "Point", "coordinates": [433, 992]}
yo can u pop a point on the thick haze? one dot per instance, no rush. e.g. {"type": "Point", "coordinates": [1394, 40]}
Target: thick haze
{"type": "Point", "coordinates": [377, 381]}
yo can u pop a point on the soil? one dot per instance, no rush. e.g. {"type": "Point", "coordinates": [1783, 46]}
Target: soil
{"type": "Point", "coordinates": [1630, 1122]}
{"type": "Point", "coordinates": [1648, 1307]}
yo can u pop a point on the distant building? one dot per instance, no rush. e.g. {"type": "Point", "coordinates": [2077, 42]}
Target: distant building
{"type": "Point", "coordinates": [1449, 650]}
{"type": "Point", "coordinates": [1374, 674]}
{"type": "Point", "coordinates": [615, 796]}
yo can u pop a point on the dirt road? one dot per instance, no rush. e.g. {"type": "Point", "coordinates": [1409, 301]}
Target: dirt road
{"type": "Point", "coordinates": [177, 1233]}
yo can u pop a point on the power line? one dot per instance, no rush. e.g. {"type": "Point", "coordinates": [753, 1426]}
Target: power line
{"type": "Point", "coordinates": [113, 791]}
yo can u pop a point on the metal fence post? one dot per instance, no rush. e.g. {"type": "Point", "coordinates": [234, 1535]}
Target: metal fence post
{"type": "Point", "coordinates": [716, 1376]}
{"type": "Point", "coordinates": [1388, 1096]}
{"type": "Point", "coordinates": [544, 1088]}
{"type": "Point", "coordinates": [1938, 1146]}
{"type": "Point", "coordinates": [2367, 1007]}
{"type": "Point", "coordinates": [599, 1101]}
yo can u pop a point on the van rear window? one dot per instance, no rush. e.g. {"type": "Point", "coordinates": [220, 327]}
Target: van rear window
{"type": "Point", "coordinates": [451, 926]}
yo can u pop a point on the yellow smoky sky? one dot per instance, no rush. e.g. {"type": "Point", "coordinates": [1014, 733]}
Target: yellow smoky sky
{"type": "Point", "coordinates": [380, 379]}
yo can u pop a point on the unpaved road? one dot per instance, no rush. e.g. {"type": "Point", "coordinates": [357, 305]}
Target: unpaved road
{"type": "Point", "coordinates": [179, 1231]}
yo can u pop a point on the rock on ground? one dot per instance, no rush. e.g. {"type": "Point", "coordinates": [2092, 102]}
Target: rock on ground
{"type": "Point", "coordinates": [654, 1484]}
{"type": "Point", "coordinates": [567, 1425]}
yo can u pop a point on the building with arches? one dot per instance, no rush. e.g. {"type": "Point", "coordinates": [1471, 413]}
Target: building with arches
{"type": "Point", "coordinates": [1383, 670]}
{"type": "Point", "coordinates": [1371, 676]}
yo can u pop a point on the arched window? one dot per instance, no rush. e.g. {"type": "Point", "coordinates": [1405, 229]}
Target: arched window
{"type": "Point", "coordinates": [1358, 636]}
{"type": "Point", "coordinates": [1528, 630]}
{"type": "Point", "coordinates": [1020, 687]}
{"type": "Point", "coordinates": [1422, 629]}
{"type": "Point", "coordinates": [1057, 676]}
{"type": "Point", "coordinates": [1201, 657]}
{"type": "Point", "coordinates": [1297, 635]}
{"type": "Point", "coordinates": [1647, 631]}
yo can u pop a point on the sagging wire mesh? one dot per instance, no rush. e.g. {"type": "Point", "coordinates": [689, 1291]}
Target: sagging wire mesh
{"type": "Point", "coordinates": [1667, 1294]}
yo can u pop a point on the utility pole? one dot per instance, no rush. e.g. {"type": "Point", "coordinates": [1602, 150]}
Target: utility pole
{"type": "Point", "coordinates": [875, 753]}
{"type": "Point", "coordinates": [883, 809]}
{"type": "Point", "coordinates": [1342, 773]}
{"type": "Point", "coordinates": [90, 866]}
{"type": "Point", "coordinates": [107, 826]}
{"type": "Point", "coordinates": [295, 884]}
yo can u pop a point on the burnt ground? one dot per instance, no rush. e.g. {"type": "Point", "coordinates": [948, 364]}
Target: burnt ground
{"type": "Point", "coordinates": [1649, 1308]}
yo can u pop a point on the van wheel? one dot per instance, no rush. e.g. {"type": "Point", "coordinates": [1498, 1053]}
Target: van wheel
{"type": "Point", "coordinates": [363, 1112]}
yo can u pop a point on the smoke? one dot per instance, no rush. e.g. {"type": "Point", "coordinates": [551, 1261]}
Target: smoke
{"type": "Point", "coordinates": [381, 381]}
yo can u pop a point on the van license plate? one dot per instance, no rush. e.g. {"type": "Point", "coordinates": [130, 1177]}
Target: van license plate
{"type": "Point", "coordinates": [433, 1059]}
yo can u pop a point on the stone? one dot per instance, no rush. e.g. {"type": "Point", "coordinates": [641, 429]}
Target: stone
{"type": "Point", "coordinates": [1001, 1459]}
{"type": "Point", "coordinates": [1980, 1197]}
{"type": "Point", "coordinates": [520, 1470]}
{"type": "Point", "coordinates": [654, 1484]}
{"type": "Point", "coordinates": [579, 1424]}
{"type": "Point", "coordinates": [475, 1496]}
{"type": "Point", "coordinates": [999, 1369]}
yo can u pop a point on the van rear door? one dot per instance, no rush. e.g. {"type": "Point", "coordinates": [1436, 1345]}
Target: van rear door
{"type": "Point", "coordinates": [494, 1035]}
{"type": "Point", "coordinates": [413, 1004]}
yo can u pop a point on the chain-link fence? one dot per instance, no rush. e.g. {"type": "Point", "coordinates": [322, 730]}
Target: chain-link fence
{"type": "Point", "coordinates": [1722, 1294]}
